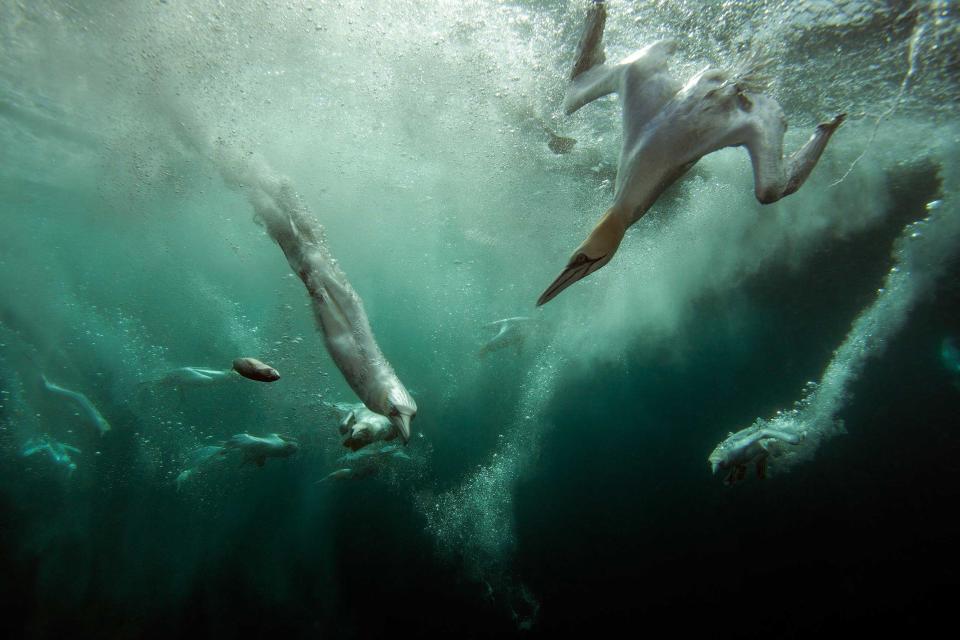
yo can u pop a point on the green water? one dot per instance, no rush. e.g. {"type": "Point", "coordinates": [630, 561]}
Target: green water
{"type": "Point", "coordinates": [560, 486]}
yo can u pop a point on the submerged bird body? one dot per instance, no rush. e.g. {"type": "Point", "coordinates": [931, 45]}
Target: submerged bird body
{"type": "Point", "coordinates": [58, 452]}
{"type": "Point", "coordinates": [337, 306]}
{"type": "Point", "coordinates": [361, 427]}
{"type": "Point", "coordinates": [87, 408]}
{"type": "Point", "coordinates": [668, 127]}
{"type": "Point", "coordinates": [753, 445]}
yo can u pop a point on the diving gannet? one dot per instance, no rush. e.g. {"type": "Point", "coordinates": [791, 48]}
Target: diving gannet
{"type": "Point", "coordinates": [59, 452]}
{"type": "Point", "coordinates": [361, 427]}
{"type": "Point", "coordinates": [667, 128]}
{"type": "Point", "coordinates": [752, 445]}
{"type": "Point", "coordinates": [87, 407]}
{"type": "Point", "coordinates": [338, 309]}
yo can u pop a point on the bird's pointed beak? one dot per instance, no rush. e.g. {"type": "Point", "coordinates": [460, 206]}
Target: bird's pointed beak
{"type": "Point", "coordinates": [402, 423]}
{"type": "Point", "coordinates": [579, 267]}
{"type": "Point", "coordinates": [592, 254]}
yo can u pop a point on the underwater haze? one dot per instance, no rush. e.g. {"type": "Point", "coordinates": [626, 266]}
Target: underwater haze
{"type": "Point", "coordinates": [556, 481]}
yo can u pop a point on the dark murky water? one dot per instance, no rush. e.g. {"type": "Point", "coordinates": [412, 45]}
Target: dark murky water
{"type": "Point", "coordinates": [560, 485]}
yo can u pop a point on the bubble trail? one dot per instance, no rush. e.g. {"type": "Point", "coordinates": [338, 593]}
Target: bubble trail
{"type": "Point", "coordinates": [337, 307]}
{"type": "Point", "coordinates": [920, 255]}
{"type": "Point", "coordinates": [474, 523]}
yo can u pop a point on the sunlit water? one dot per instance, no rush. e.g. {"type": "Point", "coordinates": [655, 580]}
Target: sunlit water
{"type": "Point", "coordinates": [558, 485]}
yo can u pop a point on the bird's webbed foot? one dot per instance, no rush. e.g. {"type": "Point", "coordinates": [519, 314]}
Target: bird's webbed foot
{"type": "Point", "coordinates": [736, 474]}
{"type": "Point", "coordinates": [762, 468]}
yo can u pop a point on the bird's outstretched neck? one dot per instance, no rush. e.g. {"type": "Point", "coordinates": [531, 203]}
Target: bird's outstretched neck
{"type": "Point", "coordinates": [592, 254]}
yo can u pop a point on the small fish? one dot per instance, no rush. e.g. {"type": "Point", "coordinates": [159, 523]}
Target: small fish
{"type": "Point", "coordinates": [183, 476]}
{"type": "Point", "coordinates": [510, 332]}
{"type": "Point", "coordinates": [197, 460]}
{"type": "Point", "coordinates": [255, 370]}
{"type": "Point", "coordinates": [339, 474]}
{"type": "Point", "coordinates": [389, 451]}
{"type": "Point", "coordinates": [349, 474]}
{"type": "Point", "coordinates": [257, 449]}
